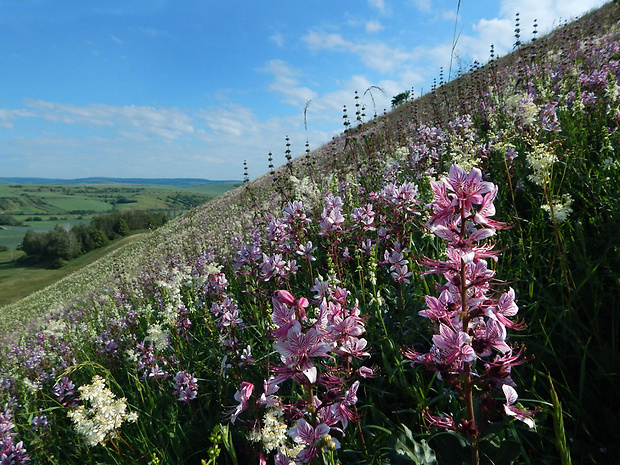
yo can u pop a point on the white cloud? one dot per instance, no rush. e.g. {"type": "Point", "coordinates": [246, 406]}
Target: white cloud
{"type": "Point", "coordinates": [374, 96]}
{"type": "Point", "coordinates": [373, 26]}
{"type": "Point", "coordinates": [423, 5]}
{"type": "Point", "coordinates": [500, 31]}
{"type": "Point", "coordinates": [278, 39]}
{"type": "Point", "coordinates": [167, 123]}
{"type": "Point", "coordinates": [8, 116]}
{"type": "Point", "coordinates": [379, 5]}
{"type": "Point", "coordinates": [287, 83]}
{"type": "Point", "coordinates": [375, 54]}
{"type": "Point", "coordinates": [230, 120]}
{"type": "Point", "coordinates": [325, 41]}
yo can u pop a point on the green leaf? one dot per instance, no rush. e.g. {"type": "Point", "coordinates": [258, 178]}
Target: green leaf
{"type": "Point", "coordinates": [408, 450]}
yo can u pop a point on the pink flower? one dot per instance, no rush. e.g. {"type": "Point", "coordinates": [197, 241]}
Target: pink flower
{"type": "Point", "coordinates": [364, 217]}
{"type": "Point", "coordinates": [512, 411]}
{"type": "Point", "coordinates": [490, 335]}
{"type": "Point", "coordinates": [435, 421]}
{"type": "Point", "coordinates": [242, 396]}
{"type": "Point", "coordinates": [488, 209]}
{"type": "Point", "coordinates": [304, 433]}
{"type": "Point", "coordinates": [366, 372]}
{"type": "Point", "coordinates": [285, 297]}
{"type": "Point", "coordinates": [437, 307]}
{"type": "Point", "coordinates": [270, 387]}
{"type": "Point", "coordinates": [454, 345]}
{"type": "Point", "coordinates": [340, 411]}
{"type": "Point", "coordinates": [353, 347]}
{"type": "Point", "coordinates": [505, 307]}
{"type": "Point", "coordinates": [298, 348]}
{"type": "Point", "coordinates": [284, 318]}
{"type": "Point", "coordinates": [466, 190]}
{"type": "Point", "coordinates": [467, 187]}
{"type": "Point", "coordinates": [332, 218]}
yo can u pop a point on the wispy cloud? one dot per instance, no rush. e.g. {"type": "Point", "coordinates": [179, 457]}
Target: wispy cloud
{"type": "Point", "coordinates": [373, 26]}
{"type": "Point", "coordinates": [423, 5]}
{"type": "Point", "coordinates": [286, 82]}
{"type": "Point", "coordinates": [8, 116]}
{"type": "Point", "coordinates": [376, 55]}
{"type": "Point", "coordinates": [167, 123]}
{"type": "Point", "coordinates": [230, 120]}
{"type": "Point", "coordinates": [277, 38]}
{"type": "Point", "coordinates": [379, 5]}
{"type": "Point", "coordinates": [499, 31]}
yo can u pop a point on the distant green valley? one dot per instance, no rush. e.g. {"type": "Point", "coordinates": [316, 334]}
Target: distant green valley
{"type": "Point", "coordinates": [41, 204]}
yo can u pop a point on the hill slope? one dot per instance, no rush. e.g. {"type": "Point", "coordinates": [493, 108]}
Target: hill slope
{"type": "Point", "coordinates": [326, 278]}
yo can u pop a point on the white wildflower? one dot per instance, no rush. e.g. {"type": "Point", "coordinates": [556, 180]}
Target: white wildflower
{"type": "Point", "coordinates": [561, 208]}
{"type": "Point", "coordinates": [524, 108]}
{"type": "Point", "coordinates": [132, 355]}
{"type": "Point", "coordinates": [306, 189]}
{"type": "Point", "coordinates": [158, 336]}
{"type": "Point", "coordinates": [32, 386]}
{"type": "Point", "coordinates": [465, 160]}
{"type": "Point", "coordinates": [55, 329]}
{"type": "Point", "coordinates": [541, 160]}
{"type": "Point", "coordinates": [101, 421]}
{"type": "Point", "coordinates": [213, 268]}
{"type": "Point", "coordinates": [273, 434]}
{"type": "Point", "coordinates": [402, 153]}
{"type": "Point", "coordinates": [170, 314]}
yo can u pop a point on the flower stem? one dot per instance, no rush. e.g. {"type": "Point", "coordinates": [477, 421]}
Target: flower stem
{"type": "Point", "coordinates": [469, 399]}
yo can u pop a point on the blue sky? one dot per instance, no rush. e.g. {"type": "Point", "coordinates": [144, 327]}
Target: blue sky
{"type": "Point", "coordinates": [191, 88]}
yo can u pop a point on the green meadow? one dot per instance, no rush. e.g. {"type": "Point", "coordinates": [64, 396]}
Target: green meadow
{"type": "Point", "coordinates": [18, 280]}
{"type": "Point", "coordinates": [41, 207]}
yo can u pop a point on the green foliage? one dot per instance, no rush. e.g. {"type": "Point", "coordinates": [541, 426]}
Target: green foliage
{"type": "Point", "coordinates": [62, 244]}
{"type": "Point", "coordinates": [401, 98]}
{"type": "Point", "coordinates": [9, 220]}
{"type": "Point", "coordinates": [408, 450]}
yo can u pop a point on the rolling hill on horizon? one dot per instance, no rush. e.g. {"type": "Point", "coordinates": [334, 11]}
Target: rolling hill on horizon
{"type": "Point", "coordinates": [175, 182]}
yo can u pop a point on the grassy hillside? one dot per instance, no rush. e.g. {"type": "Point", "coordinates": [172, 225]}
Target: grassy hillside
{"type": "Point", "coordinates": [18, 280]}
{"type": "Point", "coordinates": [438, 285]}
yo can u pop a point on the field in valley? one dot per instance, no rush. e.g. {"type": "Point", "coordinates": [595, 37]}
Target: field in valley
{"type": "Point", "coordinates": [40, 207]}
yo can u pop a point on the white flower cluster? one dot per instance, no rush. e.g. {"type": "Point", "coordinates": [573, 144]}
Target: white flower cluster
{"type": "Point", "coordinates": [172, 291]}
{"type": "Point", "coordinates": [541, 160]}
{"type": "Point", "coordinates": [561, 208]}
{"type": "Point", "coordinates": [609, 163]}
{"type": "Point", "coordinates": [158, 336]}
{"type": "Point", "coordinates": [56, 329]}
{"type": "Point", "coordinates": [101, 421]}
{"type": "Point", "coordinates": [306, 189]}
{"type": "Point", "coordinates": [273, 434]}
{"type": "Point", "coordinates": [402, 153]}
{"type": "Point", "coordinates": [524, 108]}
{"type": "Point", "coordinates": [465, 160]}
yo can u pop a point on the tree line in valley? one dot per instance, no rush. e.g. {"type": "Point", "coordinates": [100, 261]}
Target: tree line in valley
{"type": "Point", "coordinates": [62, 243]}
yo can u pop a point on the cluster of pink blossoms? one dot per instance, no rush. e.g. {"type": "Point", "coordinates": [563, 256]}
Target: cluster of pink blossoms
{"type": "Point", "coordinates": [471, 317]}
{"type": "Point", "coordinates": [317, 355]}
